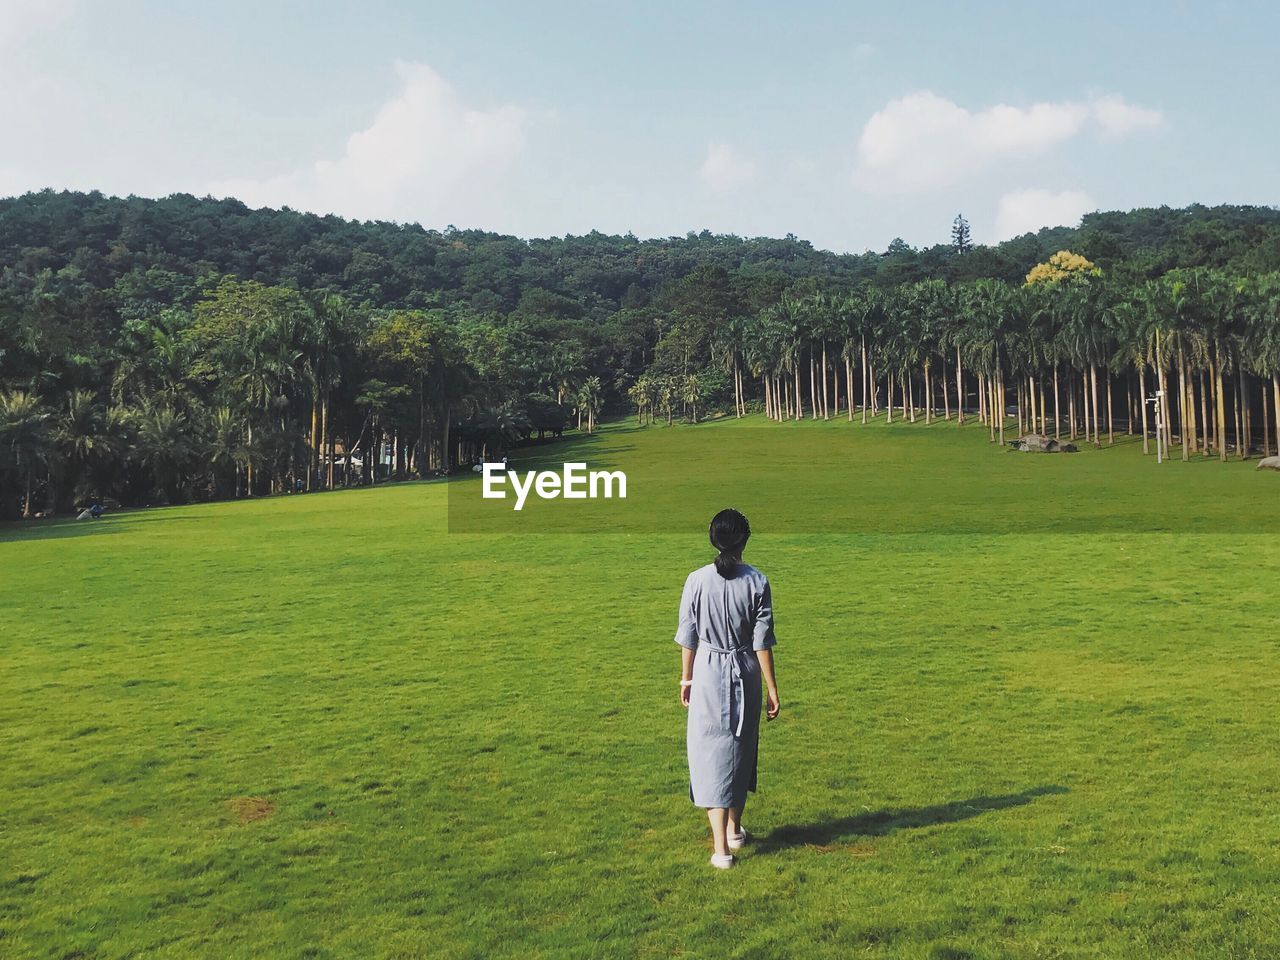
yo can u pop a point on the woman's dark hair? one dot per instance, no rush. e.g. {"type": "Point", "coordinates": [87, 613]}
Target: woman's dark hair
{"type": "Point", "coordinates": [729, 533]}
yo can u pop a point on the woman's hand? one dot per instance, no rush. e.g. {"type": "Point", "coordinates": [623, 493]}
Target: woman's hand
{"type": "Point", "coordinates": [772, 706]}
{"type": "Point", "coordinates": [684, 694]}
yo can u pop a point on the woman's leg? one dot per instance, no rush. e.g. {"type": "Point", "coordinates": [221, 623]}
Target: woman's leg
{"type": "Point", "coordinates": [734, 827]}
{"type": "Point", "coordinates": [719, 818]}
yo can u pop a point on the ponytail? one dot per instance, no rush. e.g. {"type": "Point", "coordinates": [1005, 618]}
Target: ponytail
{"type": "Point", "coordinates": [726, 565]}
{"type": "Point", "coordinates": [729, 532]}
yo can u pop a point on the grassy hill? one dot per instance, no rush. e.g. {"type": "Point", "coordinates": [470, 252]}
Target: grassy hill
{"type": "Point", "coordinates": [1028, 711]}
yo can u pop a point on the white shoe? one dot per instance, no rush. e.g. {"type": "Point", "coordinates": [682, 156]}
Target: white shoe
{"type": "Point", "coordinates": [736, 841]}
{"type": "Point", "coordinates": [722, 863]}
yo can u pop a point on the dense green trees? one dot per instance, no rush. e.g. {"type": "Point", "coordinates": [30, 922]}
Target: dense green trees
{"type": "Point", "coordinates": [165, 350]}
{"type": "Point", "coordinates": [1073, 354]}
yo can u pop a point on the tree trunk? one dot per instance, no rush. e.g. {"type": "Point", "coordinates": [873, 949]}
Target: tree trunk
{"type": "Point", "coordinates": [826, 412]}
{"type": "Point", "coordinates": [1235, 415]}
{"type": "Point", "coordinates": [1084, 404]}
{"type": "Point", "coordinates": [1163, 388]}
{"type": "Point", "coordinates": [1184, 428]}
{"type": "Point", "coordinates": [1142, 388]}
{"type": "Point", "coordinates": [1071, 409]}
{"type": "Point", "coordinates": [1111, 423]}
{"type": "Point", "coordinates": [888, 401]}
{"type": "Point", "coordinates": [959, 389]}
{"type": "Point", "coordinates": [986, 391]}
{"type": "Point", "coordinates": [1221, 427]}
{"type": "Point", "coordinates": [1275, 405]}
{"type": "Point", "coordinates": [1266, 423]}
{"type": "Point", "coordinates": [835, 390]}
{"type": "Point", "coordinates": [1093, 382]}
{"type": "Point", "coordinates": [446, 455]}
{"type": "Point", "coordinates": [325, 456]}
{"type": "Point", "coordinates": [813, 387]}
{"type": "Point", "coordinates": [1133, 409]}
{"type": "Point", "coordinates": [1206, 429]}
{"type": "Point", "coordinates": [1057, 420]}
{"type": "Point", "coordinates": [864, 380]}
{"type": "Point", "coordinates": [848, 383]}
{"type": "Point", "coordinates": [313, 447]}
{"type": "Point", "coordinates": [928, 395]}
{"type": "Point", "coordinates": [1002, 403]}
{"type": "Point", "coordinates": [1244, 433]}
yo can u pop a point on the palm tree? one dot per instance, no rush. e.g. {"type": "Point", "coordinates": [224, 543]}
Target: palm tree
{"type": "Point", "coordinates": [1222, 298]}
{"type": "Point", "coordinates": [78, 435]}
{"type": "Point", "coordinates": [590, 400]}
{"type": "Point", "coordinates": [641, 395]}
{"type": "Point", "coordinates": [226, 450]}
{"type": "Point", "coordinates": [691, 392]}
{"type": "Point", "coordinates": [24, 436]}
{"type": "Point", "coordinates": [165, 446]}
{"type": "Point", "coordinates": [668, 394]}
{"type": "Point", "coordinates": [1263, 350]}
{"type": "Point", "coordinates": [728, 343]}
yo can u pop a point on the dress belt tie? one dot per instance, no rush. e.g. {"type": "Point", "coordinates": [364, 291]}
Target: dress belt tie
{"type": "Point", "coordinates": [736, 677]}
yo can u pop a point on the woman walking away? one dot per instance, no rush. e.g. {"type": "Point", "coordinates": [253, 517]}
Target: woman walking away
{"type": "Point", "coordinates": [726, 630]}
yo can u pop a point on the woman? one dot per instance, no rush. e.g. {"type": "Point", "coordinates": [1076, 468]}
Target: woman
{"type": "Point", "coordinates": [726, 630]}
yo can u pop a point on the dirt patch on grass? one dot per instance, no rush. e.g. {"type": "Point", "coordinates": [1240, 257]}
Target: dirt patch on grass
{"type": "Point", "coordinates": [852, 849]}
{"type": "Point", "coordinates": [249, 809]}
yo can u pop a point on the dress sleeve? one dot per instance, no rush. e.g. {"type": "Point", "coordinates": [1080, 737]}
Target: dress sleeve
{"type": "Point", "coordinates": [762, 637]}
{"type": "Point", "coordinates": [687, 625]}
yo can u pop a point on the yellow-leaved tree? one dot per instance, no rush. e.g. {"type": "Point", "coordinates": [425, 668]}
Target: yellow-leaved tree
{"type": "Point", "coordinates": [1063, 265]}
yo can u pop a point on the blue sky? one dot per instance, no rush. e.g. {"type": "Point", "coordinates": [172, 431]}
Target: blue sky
{"type": "Point", "coordinates": [845, 123]}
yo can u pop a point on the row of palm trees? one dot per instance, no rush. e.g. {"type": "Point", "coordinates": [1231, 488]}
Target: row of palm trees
{"type": "Point", "coordinates": [664, 394]}
{"type": "Point", "coordinates": [1074, 354]}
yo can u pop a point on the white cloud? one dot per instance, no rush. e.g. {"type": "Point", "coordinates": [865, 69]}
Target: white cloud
{"type": "Point", "coordinates": [1117, 117]}
{"type": "Point", "coordinates": [21, 18]}
{"type": "Point", "coordinates": [923, 141]}
{"type": "Point", "coordinates": [726, 168]}
{"type": "Point", "coordinates": [426, 156]}
{"type": "Point", "coordinates": [1026, 211]}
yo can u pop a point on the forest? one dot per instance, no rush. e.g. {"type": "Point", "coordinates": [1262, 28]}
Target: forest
{"type": "Point", "coordinates": [164, 351]}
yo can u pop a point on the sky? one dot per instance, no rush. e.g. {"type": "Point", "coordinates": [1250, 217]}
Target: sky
{"type": "Point", "coordinates": [846, 124]}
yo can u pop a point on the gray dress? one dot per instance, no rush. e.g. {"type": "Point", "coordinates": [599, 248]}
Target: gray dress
{"type": "Point", "coordinates": [723, 622]}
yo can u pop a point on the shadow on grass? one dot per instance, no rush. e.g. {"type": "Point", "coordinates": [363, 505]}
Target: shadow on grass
{"type": "Point", "coordinates": [883, 822]}
{"type": "Point", "coordinates": [62, 528]}
{"type": "Point", "coordinates": [59, 529]}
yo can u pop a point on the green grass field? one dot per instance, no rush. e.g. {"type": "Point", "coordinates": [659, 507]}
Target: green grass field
{"type": "Point", "coordinates": [1029, 710]}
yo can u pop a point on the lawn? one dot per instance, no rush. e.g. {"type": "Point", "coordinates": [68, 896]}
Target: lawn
{"type": "Point", "coordinates": [1029, 710]}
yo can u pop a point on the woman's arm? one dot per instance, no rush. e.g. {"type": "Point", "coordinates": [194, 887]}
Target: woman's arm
{"type": "Point", "coordinates": [762, 641]}
{"type": "Point", "coordinates": [772, 706]}
{"type": "Point", "coordinates": [686, 674]}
